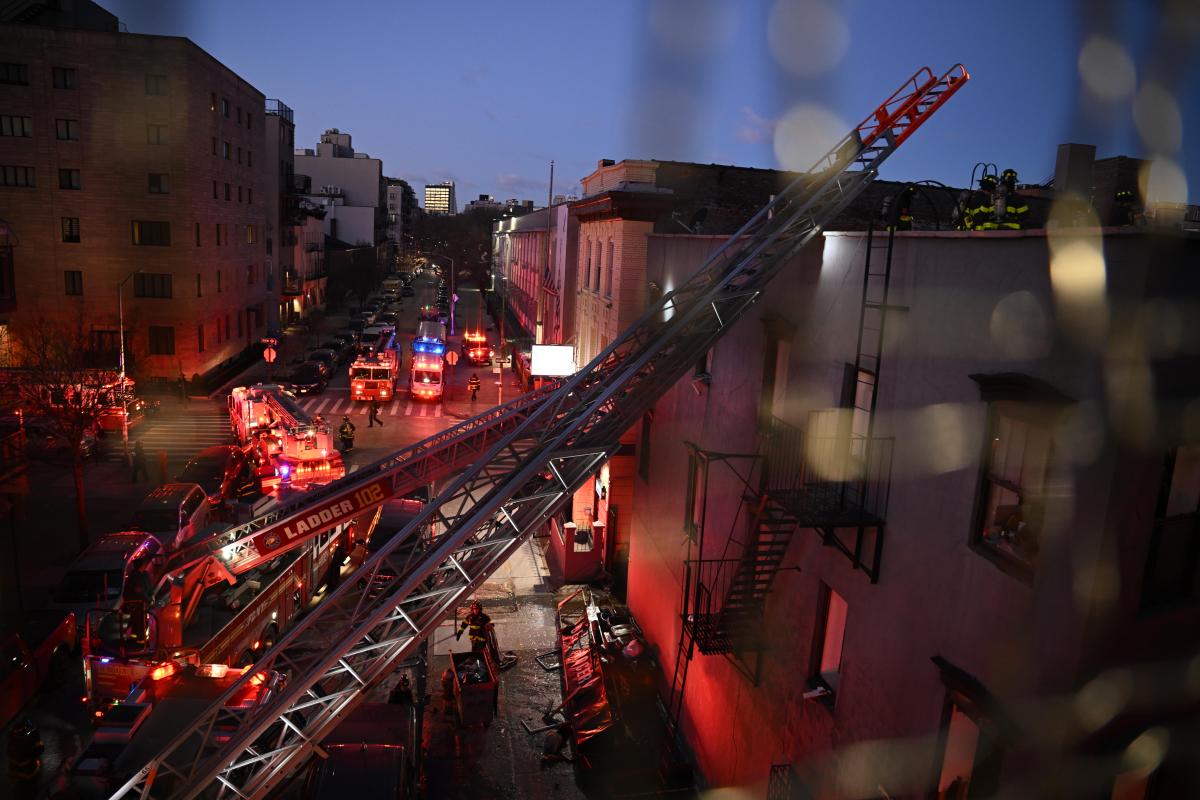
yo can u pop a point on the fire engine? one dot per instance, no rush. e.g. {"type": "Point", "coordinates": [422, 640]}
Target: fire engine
{"type": "Point", "coordinates": [475, 349]}
{"type": "Point", "coordinates": [425, 378]}
{"type": "Point", "coordinates": [292, 448]}
{"type": "Point", "coordinates": [373, 373]}
{"type": "Point", "coordinates": [198, 605]}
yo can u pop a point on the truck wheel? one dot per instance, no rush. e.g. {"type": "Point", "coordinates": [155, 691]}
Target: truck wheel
{"type": "Point", "coordinates": [61, 665]}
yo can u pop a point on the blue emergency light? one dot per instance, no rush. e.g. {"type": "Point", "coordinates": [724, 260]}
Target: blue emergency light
{"type": "Point", "coordinates": [434, 346]}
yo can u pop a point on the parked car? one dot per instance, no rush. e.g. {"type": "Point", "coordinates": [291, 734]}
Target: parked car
{"type": "Point", "coordinates": [175, 513]}
{"type": "Point", "coordinates": [386, 318]}
{"type": "Point", "coordinates": [407, 290]}
{"type": "Point", "coordinates": [94, 579]}
{"type": "Point", "coordinates": [309, 378]}
{"type": "Point", "coordinates": [326, 357]}
{"type": "Point", "coordinates": [220, 470]}
{"type": "Point", "coordinates": [37, 652]}
{"type": "Point", "coordinates": [339, 346]}
{"type": "Point", "coordinates": [368, 316]}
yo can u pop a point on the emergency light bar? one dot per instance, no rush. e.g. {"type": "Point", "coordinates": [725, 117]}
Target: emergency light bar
{"type": "Point", "coordinates": [434, 346]}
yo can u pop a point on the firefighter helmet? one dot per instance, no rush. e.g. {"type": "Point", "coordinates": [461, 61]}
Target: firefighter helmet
{"type": "Point", "coordinates": [1009, 176]}
{"type": "Point", "coordinates": [476, 606]}
{"type": "Point", "coordinates": [987, 182]}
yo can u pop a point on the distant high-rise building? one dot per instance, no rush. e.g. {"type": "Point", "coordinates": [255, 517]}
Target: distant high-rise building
{"type": "Point", "coordinates": [439, 198]}
{"type": "Point", "coordinates": [485, 202]}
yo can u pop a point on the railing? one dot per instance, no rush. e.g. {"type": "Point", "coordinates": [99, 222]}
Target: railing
{"type": "Point", "coordinates": [706, 586]}
{"type": "Point", "coordinates": [783, 455]}
{"type": "Point", "coordinates": [277, 108]}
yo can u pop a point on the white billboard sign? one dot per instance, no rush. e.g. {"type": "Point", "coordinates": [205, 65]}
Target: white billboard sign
{"type": "Point", "coordinates": [553, 360]}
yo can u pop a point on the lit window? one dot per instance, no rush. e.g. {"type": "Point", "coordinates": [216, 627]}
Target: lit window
{"type": "Point", "coordinates": [831, 630]}
{"type": "Point", "coordinates": [958, 759]}
{"type": "Point", "coordinates": [1013, 483]}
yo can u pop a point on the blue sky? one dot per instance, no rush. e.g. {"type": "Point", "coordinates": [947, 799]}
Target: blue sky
{"type": "Point", "coordinates": [487, 93]}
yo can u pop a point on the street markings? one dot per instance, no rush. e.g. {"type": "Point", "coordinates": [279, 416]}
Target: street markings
{"type": "Point", "coordinates": [182, 436]}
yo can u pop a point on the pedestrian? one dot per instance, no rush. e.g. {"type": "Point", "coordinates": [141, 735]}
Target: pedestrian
{"type": "Point", "coordinates": [373, 417]}
{"type": "Point", "coordinates": [183, 392]}
{"type": "Point", "coordinates": [346, 434]}
{"type": "Point", "coordinates": [139, 462]}
{"type": "Point", "coordinates": [473, 385]}
{"type": "Point", "coordinates": [24, 759]}
{"type": "Point", "coordinates": [480, 631]}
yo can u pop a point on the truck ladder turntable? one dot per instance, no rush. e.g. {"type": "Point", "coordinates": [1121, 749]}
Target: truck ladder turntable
{"type": "Point", "coordinates": [351, 641]}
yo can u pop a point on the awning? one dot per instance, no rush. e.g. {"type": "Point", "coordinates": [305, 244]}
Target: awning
{"type": "Point", "coordinates": [586, 704]}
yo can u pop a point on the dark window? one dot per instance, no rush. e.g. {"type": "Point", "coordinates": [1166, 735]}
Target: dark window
{"type": "Point", "coordinates": [199, 286]}
{"type": "Point", "coordinates": [65, 78]}
{"type": "Point", "coordinates": [16, 126]}
{"type": "Point", "coordinates": [239, 194]}
{"type": "Point", "coordinates": [826, 665]}
{"type": "Point", "coordinates": [644, 448]}
{"type": "Point", "coordinates": [249, 158]}
{"type": "Point", "coordinates": [218, 244]}
{"type": "Point", "coordinates": [239, 323]}
{"type": "Point", "coordinates": [249, 195]}
{"type": "Point", "coordinates": [17, 74]}
{"type": "Point", "coordinates": [218, 280]}
{"type": "Point", "coordinates": [74, 281]}
{"type": "Point", "coordinates": [239, 155]}
{"type": "Point", "coordinates": [67, 129]}
{"type": "Point", "coordinates": [226, 326]}
{"type": "Point", "coordinates": [224, 106]}
{"type": "Point", "coordinates": [225, 150]}
{"type": "Point", "coordinates": [16, 176]}
{"type": "Point", "coordinates": [239, 115]}
{"type": "Point", "coordinates": [152, 284]}
{"type": "Point", "coordinates": [197, 234]}
{"type": "Point", "coordinates": [156, 84]}
{"type": "Point", "coordinates": [215, 195]}
{"type": "Point", "coordinates": [156, 134]}
{"type": "Point", "coordinates": [599, 258]}
{"type": "Point", "coordinates": [151, 233]}
{"type": "Point", "coordinates": [1172, 574]}
{"type": "Point", "coordinates": [228, 192]}
{"type": "Point", "coordinates": [68, 179]}
{"type": "Point", "coordinates": [249, 273]}
{"type": "Point", "coordinates": [158, 183]}
{"type": "Point", "coordinates": [162, 341]}
{"type": "Point", "coordinates": [248, 120]}
{"type": "Point", "coordinates": [200, 338]}
{"type": "Point", "coordinates": [608, 272]}
{"type": "Point", "coordinates": [1017, 460]}
{"type": "Point", "coordinates": [214, 145]}
{"type": "Point", "coordinates": [70, 229]}
{"type": "Point", "coordinates": [212, 106]}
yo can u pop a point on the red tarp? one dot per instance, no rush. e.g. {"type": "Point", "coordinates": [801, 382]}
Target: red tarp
{"type": "Point", "coordinates": [583, 684]}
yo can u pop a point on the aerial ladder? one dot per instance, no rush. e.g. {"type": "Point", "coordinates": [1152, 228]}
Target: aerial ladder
{"type": "Point", "coordinates": [548, 447]}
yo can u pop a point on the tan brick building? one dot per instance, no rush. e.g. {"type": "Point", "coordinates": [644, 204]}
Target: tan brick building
{"type": "Point", "coordinates": [136, 160]}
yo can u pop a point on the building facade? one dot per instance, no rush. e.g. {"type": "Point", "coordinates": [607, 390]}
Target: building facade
{"type": "Point", "coordinates": [401, 219]}
{"type": "Point", "coordinates": [307, 290]}
{"type": "Point", "coordinates": [439, 198]}
{"type": "Point", "coordinates": [349, 185]}
{"type": "Point", "coordinates": [282, 278]}
{"type": "Point", "coordinates": [534, 257]}
{"type": "Point", "coordinates": [137, 162]}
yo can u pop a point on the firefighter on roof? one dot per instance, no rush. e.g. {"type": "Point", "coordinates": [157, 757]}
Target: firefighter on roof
{"type": "Point", "coordinates": [1013, 206]}
{"type": "Point", "coordinates": [979, 208]}
{"type": "Point", "coordinates": [897, 210]}
{"type": "Point", "coordinates": [478, 626]}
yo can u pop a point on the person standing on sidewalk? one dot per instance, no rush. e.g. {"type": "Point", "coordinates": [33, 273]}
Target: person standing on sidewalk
{"type": "Point", "coordinates": [473, 385]}
{"type": "Point", "coordinates": [139, 462]}
{"type": "Point", "coordinates": [373, 416]}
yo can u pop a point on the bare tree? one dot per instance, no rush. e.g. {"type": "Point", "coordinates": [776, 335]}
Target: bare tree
{"type": "Point", "coordinates": [54, 382]}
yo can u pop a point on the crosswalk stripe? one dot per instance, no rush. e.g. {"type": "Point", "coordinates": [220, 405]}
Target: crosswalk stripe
{"type": "Point", "coordinates": [394, 407]}
{"type": "Point", "coordinates": [408, 409]}
{"type": "Point", "coordinates": [333, 408]}
{"type": "Point", "coordinates": [437, 411]}
{"type": "Point", "coordinates": [321, 405]}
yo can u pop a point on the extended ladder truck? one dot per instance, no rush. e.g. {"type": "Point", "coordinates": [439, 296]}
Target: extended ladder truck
{"type": "Point", "coordinates": [293, 450]}
{"type": "Point", "coordinates": [533, 453]}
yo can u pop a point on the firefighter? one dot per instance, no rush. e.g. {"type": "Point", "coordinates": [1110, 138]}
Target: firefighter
{"type": "Point", "coordinates": [139, 462]}
{"type": "Point", "coordinates": [24, 759]}
{"type": "Point", "coordinates": [473, 385]}
{"type": "Point", "coordinates": [897, 210]}
{"type": "Point", "coordinates": [373, 416]}
{"type": "Point", "coordinates": [978, 209]}
{"type": "Point", "coordinates": [479, 628]}
{"type": "Point", "coordinates": [1124, 209]}
{"type": "Point", "coordinates": [1010, 206]}
{"type": "Point", "coordinates": [346, 434]}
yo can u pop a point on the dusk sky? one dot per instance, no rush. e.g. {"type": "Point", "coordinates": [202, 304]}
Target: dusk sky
{"type": "Point", "coordinates": [488, 93]}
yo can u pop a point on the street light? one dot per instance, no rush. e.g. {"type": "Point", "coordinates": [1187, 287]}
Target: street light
{"type": "Point", "coordinates": [453, 296]}
{"type": "Point", "coordinates": [121, 337]}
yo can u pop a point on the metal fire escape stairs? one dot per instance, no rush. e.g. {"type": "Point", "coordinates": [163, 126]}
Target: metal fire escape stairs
{"type": "Point", "coordinates": [351, 641]}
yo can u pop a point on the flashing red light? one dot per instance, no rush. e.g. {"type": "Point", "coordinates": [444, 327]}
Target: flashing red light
{"type": "Point", "coordinates": [256, 645]}
{"type": "Point", "coordinates": [163, 671]}
{"type": "Point", "coordinates": [258, 679]}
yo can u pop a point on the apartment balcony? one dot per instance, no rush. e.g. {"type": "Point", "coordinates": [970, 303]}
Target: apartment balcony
{"type": "Point", "coordinates": [833, 481]}
{"type": "Point", "coordinates": [277, 108]}
{"type": "Point", "coordinates": [292, 285]}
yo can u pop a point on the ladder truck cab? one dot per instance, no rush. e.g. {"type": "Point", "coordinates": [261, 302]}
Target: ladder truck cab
{"type": "Point", "coordinates": [375, 370]}
{"type": "Point", "coordinates": [248, 413]}
{"type": "Point", "coordinates": [430, 339]}
{"type": "Point", "coordinates": [155, 709]}
{"type": "Point", "coordinates": [475, 349]}
{"type": "Point", "coordinates": [425, 379]}
{"type": "Point", "coordinates": [293, 449]}
{"type": "Point", "coordinates": [205, 604]}
{"type": "Point", "coordinates": [376, 339]}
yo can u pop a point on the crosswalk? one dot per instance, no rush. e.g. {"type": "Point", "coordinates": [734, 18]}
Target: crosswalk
{"type": "Point", "coordinates": [181, 433]}
{"type": "Point", "coordinates": [328, 406]}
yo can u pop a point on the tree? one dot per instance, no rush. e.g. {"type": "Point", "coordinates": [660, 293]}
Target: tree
{"type": "Point", "coordinates": [54, 383]}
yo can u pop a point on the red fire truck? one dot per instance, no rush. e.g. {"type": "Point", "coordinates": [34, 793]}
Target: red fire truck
{"type": "Point", "coordinates": [201, 606]}
{"type": "Point", "coordinates": [373, 373]}
{"type": "Point", "coordinates": [425, 380]}
{"type": "Point", "coordinates": [475, 348]}
{"type": "Point", "coordinates": [292, 448]}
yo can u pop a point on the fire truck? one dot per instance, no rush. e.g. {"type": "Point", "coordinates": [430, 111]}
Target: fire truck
{"type": "Point", "coordinates": [425, 378]}
{"type": "Point", "coordinates": [198, 605]}
{"type": "Point", "coordinates": [373, 373]}
{"type": "Point", "coordinates": [292, 448]}
{"type": "Point", "coordinates": [475, 349]}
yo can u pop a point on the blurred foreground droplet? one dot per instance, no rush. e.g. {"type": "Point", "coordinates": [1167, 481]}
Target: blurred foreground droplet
{"type": "Point", "coordinates": [807, 37]}
{"type": "Point", "coordinates": [805, 134]}
{"type": "Point", "coordinates": [1106, 69]}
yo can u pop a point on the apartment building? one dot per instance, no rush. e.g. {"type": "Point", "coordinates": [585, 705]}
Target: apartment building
{"type": "Point", "coordinates": [938, 542]}
{"type": "Point", "coordinates": [350, 186]}
{"type": "Point", "coordinates": [401, 218]}
{"type": "Point", "coordinates": [439, 198]}
{"type": "Point", "coordinates": [135, 165]}
{"type": "Point", "coordinates": [534, 258]}
{"type": "Point", "coordinates": [283, 280]}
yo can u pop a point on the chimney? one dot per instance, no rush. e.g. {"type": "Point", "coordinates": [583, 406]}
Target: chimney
{"type": "Point", "coordinates": [604, 162]}
{"type": "Point", "coordinates": [1073, 170]}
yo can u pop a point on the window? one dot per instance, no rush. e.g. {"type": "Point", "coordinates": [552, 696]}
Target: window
{"type": "Point", "coordinates": [74, 281]}
{"type": "Point", "coordinates": [249, 195]}
{"type": "Point", "coordinates": [218, 245]}
{"type": "Point", "coordinates": [199, 286]}
{"type": "Point", "coordinates": [65, 78]}
{"type": "Point", "coordinates": [827, 646]}
{"type": "Point", "coordinates": [224, 107]}
{"type": "Point", "coordinates": [156, 134]}
{"type": "Point", "coordinates": [249, 158]}
{"type": "Point", "coordinates": [239, 194]}
{"type": "Point", "coordinates": [239, 151]}
{"type": "Point", "coordinates": [240, 314]}
{"type": "Point", "coordinates": [152, 284]}
{"type": "Point", "coordinates": [958, 758]}
{"type": "Point", "coordinates": [974, 733]}
{"type": "Point", "coordinates": [694, 505]}
{"type": "Point", "coordinates": [158, 183]}
{"type": "Point", "coordinates": [1014, 479]}
{"type": "Point", "coordinates": [67, 129]}
{"type": "Point", "coordinates": [162, 341]}
{"type": "Point", "coordinates": [228, 192]}
{"type": "Point", "coordinates": [225, 150]}
{"type": "Point", "coordinates": [1172, 574]}
{"type": "Point", "coordinates": [226, 326]}
{"type": "Point", "coordinates": [608, 272]}
{"type": "Point", "coordinates": [251, 234]}
{"type": "Point", "coordinates": [70, 229]}
{"type": "Point", "coordinates": [68, 179]}
{"type": "Point", "coordinates": [200, 338]}
{"type": "Point", "coordinates": [16, 126]}
{"type": "Point", "coordinates": [214, 145]}
{"type": "Point", "coordinates": [248, 117]}
{"type": "Point", "coordinates": [156, 84]}
{"type": "Point", "coordinates": [218, 280]}
{"type": "Point", "coordinates": [16, 176]}
{"type": "Point", "coordinates": [151, 233]}
{"type": "Point", "coordinates": [643, 453]}
{"type": "Point", "coordinates": [212, 104]}
{"type": "Point", "coordinates": [215, 195]}
{"type": "Point", "coordinates": [586, 277]}
{"type": "Point", "coordinates": [14, 74]}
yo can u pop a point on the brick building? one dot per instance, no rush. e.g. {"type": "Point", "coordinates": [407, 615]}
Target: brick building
{"type": "Point", "coordinates": [132, 160]}
{"type": "Point", "coordinates": [284, 281]}
{"type": "Point", "coordinates": [534, 257]}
